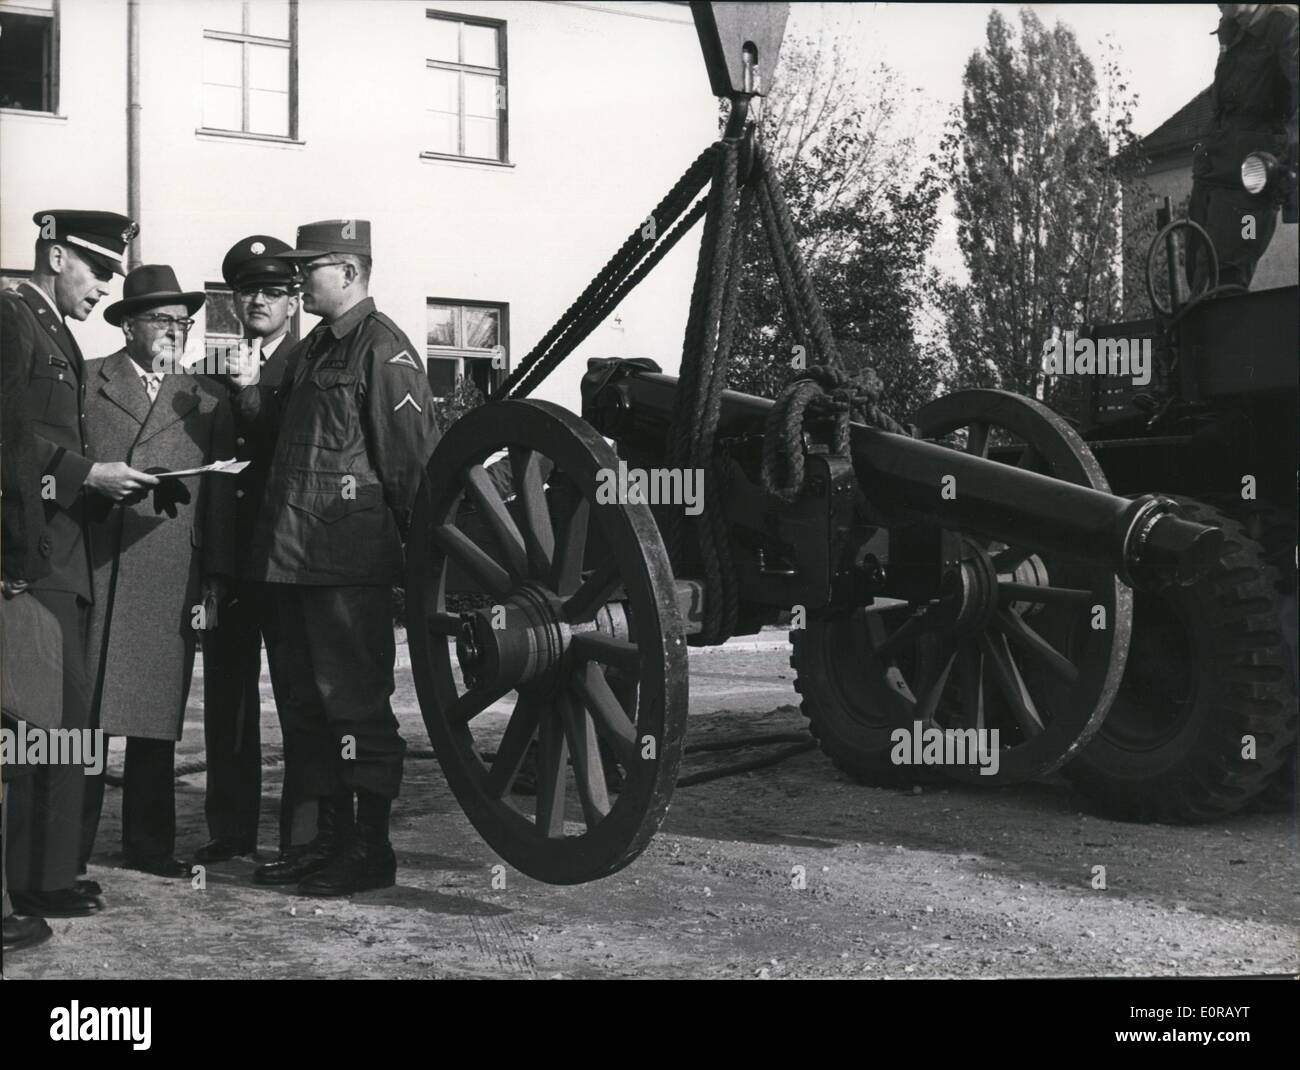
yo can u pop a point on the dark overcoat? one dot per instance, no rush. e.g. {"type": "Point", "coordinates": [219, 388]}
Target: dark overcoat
{"type": "Point", "coordinates": [148, 567]}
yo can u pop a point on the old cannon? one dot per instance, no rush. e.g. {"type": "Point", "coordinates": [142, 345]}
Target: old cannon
{"type": "Point", "coordinates": [969, 572]}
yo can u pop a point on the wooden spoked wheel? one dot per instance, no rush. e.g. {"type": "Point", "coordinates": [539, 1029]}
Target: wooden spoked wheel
{"type": "Point", "coordinates": [544, 630]}
{"type": "Point", "coordinates": [1036, 653]}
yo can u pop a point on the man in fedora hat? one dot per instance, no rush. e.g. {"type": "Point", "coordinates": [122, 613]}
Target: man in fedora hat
{"type": "Point", "coordinates": [151, 563]}
{"type": "Point", "coordinates": [356, 426]}
{"type": "Point", "coordinates": [266, 302]}
{"type": "Point", "coordinates": [77, 253]}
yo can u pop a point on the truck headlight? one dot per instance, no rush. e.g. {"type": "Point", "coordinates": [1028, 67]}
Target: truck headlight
{"type": "Point", "coordinates": [1258, 172]}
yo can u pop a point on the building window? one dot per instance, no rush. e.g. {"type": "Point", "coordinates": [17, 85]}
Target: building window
{"type": "Point", "coordinates": [466, 339]}
{"type": "Point", "coordinates": [250, 67]}
{"type": "Point", "coordinates": [222, 330]}
{"type": "Point", "coordinates": [29, 55]}
{"type": "Point", "coordinates": [466, 87]}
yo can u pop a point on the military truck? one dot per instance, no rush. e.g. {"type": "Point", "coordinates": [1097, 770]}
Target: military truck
{"type": "Point", "coordinates": [1205, 720]}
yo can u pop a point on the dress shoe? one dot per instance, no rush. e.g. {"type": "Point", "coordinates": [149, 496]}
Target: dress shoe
{"type": "Point", "coordinates": [334, 825]}
{"type": "Point", "coordinates": [161, 866]}
{"type": "Point", "coordinates": [87, 887]}
{"type": "Point", "coordinates": [64, 903]}
{"type": "Point", "coordinates": [21, 933]}
{"type": "Point", "coordinates": [220, 849]}
{"type": "Point", "coordinates": [366, 861]}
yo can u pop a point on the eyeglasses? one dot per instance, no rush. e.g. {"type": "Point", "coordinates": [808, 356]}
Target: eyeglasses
{"type": "Point", "coordinates": [165, 322]}
{"type": "Point", "coordinates": [271, 293]}
{"type": "Point", "coordinates": [307, 269]}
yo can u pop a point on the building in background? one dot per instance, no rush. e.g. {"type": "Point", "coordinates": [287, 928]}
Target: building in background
{"type": "Point", "coordinates": [1168, 149]}
{"type": "Point", "coordinates": [502, 151]}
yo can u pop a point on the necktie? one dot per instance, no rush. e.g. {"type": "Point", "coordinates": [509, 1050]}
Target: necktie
{"type": "Point", "coordinates": [152, 381]}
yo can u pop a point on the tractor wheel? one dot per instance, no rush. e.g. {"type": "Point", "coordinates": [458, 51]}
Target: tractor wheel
{"type": "Point", "coordinates": [1209, 683]}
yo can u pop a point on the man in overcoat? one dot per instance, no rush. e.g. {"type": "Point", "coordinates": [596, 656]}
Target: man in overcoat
{"type": "Point", "coordinates": [154, 560]}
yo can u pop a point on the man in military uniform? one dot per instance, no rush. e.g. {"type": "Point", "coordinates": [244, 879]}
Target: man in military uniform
{"type": "Point", "coordinates": [266, 302]}
{"type": "Point", "coordinates": [1255, 98]}
{"type": "Point", "coordinates": [354, 426]}
{"type": "Point", "coordinates": [77, 253]}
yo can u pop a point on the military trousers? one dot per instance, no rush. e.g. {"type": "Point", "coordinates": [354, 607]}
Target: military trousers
{"type": "Point", "coordinates": [332, 655]}
{"type": "Point", "coordinates": [232, 723]}
{"type": "Point", "coordinates": [1240, 224]}
{"type": "Point", "coordinates": [44, 821]}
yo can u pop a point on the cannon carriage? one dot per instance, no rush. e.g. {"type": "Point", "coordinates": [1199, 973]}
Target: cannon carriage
{"type": "Point", "coordinates": [969, 571]}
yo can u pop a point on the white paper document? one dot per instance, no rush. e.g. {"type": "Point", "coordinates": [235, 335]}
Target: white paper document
{"type": "Point", "coordinates": [231, 467]}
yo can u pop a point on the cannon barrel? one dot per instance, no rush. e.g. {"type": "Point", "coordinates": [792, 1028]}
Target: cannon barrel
{"type": "Point", "coordinates": [1144, 540]}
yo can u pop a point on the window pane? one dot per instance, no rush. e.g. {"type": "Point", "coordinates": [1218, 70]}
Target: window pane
{"type": "Point", "coordinates": [441, 322]}
{"type": "Point", "coordinates": [269, 18]}
{"type": "Point", "coordinates": [268, 113]}
{"type": "Point", "coordinates": [225, 15]}
{"type": "Point", "coordinates": [480, 45]}
{"type": "Point", "coordinates": [480, 372]}
{"type": "Point", "coordinates": [442, 376]}
{"type": "Point", "coordinates": [444, 40]}
{"type": "Point", "coordinates": [222, 107]}
{"type": "Point", "coordinates": [480, 96]}
{"type": "Point", "coordinates": [482, 327]}
{"type": "Point", "coordinates": [481, 138]}
{"type": "Point", "coordinates": [268, 68]}
{"type": "Point", "coordinates": [25, 47]}
{"type": "Point", "coordinates": [223, 62]}
{"type": "Point", "coordinates": [443, 88]}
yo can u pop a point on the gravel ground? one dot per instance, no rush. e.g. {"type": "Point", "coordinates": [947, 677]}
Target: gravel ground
{"type": "Point", "coordinates": [789, 871]}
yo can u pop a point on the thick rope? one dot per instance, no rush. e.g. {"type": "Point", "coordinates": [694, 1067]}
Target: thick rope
{"type": "Point", "coordinates": [544, 356]}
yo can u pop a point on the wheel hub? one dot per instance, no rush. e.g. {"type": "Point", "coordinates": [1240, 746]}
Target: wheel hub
{"type": "Point", "coordinates": [516, 642]}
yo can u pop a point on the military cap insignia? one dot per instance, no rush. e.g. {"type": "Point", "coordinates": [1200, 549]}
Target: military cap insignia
{"type": "Point", "coordinates": [407, 400]}
{"type": "Point", "coordinates": [257, 248]}
{"type": "Point", "coordinates": [132, 229]}
{"type": "Point", "coordinates": [405, 359]}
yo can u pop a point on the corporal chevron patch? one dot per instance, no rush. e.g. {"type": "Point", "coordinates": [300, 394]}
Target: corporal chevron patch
{"type": "Point", "coordinates": [408, 400]}
{"type": "Point", "coordinates": [405, 359]}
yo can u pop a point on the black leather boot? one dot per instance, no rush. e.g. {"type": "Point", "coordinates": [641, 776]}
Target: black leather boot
{"type": "Point", "coordinates": [333, 831]}
{"type": "Point", "coordinates": [367, 861]}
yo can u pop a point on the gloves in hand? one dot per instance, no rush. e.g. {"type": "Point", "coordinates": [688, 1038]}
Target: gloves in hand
{"type": "Point", "coordinates": [168, 494]}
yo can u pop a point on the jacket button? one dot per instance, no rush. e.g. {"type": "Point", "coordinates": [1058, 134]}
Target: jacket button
{"type": "Point", "coordinates": [239, 442]}
{"type": "Point", "coordinates": [239, 494]}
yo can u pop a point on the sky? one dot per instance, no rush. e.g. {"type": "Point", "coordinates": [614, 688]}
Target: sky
{"type": "Point", "coordinates": [1168, 51]}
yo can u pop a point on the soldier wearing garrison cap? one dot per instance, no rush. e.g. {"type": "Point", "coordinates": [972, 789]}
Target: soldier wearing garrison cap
{"type": "Point", "coordinates": [77, 254]}
{"type": "Point", "coordinates": [356, 426]}
{"type": "Point", "coordinates": [266, 303]}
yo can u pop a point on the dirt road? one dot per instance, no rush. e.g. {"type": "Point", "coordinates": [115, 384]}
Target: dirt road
{"type": "Point", "coordinates": [790, 871]}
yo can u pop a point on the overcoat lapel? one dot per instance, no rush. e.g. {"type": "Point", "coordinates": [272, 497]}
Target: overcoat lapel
{"type": "Point", "coordinates": [174, 402]}
{"type": "Point", "coordinates": [120, 383]}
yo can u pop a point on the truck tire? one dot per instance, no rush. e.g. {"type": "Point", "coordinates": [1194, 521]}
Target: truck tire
{"type": "Point", "coordinates": [1209, 667]}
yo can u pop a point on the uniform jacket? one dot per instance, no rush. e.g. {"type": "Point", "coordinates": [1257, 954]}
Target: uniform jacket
{"type": "Point", "coordinates": [250, 484]}
{"type": "Point", "coordinates": [35, 339]}
{"type": "Point", "coordinates": [148, 566]}
{"type": "Point", "coordinates": [1255, 95]}
{"type": "Point", "coordinates": [353, 426]}
{"type": "Point", "coordinates": [22, 517]}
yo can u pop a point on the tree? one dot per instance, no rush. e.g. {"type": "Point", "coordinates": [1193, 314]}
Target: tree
{"type": "Point", "coordinates": [864, 215]}
{"type": "Point", "coordinates": [1035, 164]}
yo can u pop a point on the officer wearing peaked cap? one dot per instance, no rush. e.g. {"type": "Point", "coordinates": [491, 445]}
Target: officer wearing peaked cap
{"type": "Point", "coordinates": [77, 254]}
{"type": "Point", "coordinates": [354, 426]}
{"type": "Point", "coordinates": [266, 303]}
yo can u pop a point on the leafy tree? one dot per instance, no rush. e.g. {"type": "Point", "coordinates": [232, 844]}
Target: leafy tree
{"type": "Point", "coordinates": [1035, 163]}
{"type": "Point", "coordinates": [864, 215]}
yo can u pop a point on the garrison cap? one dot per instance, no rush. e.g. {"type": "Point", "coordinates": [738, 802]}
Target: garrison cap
{"type": "Point", "coordinates": [331, 236]}
{"type": "Point", "coordinates": [101, 237]}
{"type": "Point", "coordinates": [257, 259]}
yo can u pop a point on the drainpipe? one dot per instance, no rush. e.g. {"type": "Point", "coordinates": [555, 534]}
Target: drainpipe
{"type": "Point", "coordinates": [134, 253]}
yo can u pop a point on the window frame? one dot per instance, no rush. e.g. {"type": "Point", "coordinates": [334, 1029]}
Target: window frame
{"type": "Point", "coordinates": [244, 40]}
{"type": "Point", "coordinates": [501, 71]}
{"type": "Point", "coordinates": [54, 14]}
{"type": "Point", "coordinates": [461, 354]}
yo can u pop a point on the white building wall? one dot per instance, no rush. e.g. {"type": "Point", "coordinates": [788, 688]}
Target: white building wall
{"type": "Point", "coordinates": [608, 104]}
